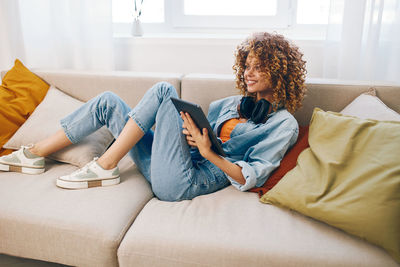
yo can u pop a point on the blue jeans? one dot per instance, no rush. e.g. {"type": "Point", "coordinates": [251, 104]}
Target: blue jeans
{"type": "Point", "coordinates": [162, 156]}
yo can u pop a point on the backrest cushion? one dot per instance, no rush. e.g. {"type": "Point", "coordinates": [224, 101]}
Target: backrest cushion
{"type": "Point", "coordinates": [130, 86]}
{"type": "Point", "coordinates": [332, 95]}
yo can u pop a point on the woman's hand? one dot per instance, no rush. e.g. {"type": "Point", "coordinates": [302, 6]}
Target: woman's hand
{"type": "Point", "coordinates": [202, 141]}
{"type": "Point", "coordinates": [194, 136]}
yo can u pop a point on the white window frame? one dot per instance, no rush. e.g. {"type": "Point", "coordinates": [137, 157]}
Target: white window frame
{"type": "Point", "coordinates": [176, 23]}
{"type": "Point", "coordinates": [282, 19]}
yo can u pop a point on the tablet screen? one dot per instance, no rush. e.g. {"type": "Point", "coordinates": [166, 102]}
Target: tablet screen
{"type": "Point", "coordinates": [200, 119]}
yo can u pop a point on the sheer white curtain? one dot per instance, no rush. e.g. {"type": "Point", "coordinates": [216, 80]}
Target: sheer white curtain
{"type": "Point", "coordinates": [61, 34]}
{"type": "Point", "coordinates": [363, 41]}
{"type": "Point", "coordinates": [11, 43]}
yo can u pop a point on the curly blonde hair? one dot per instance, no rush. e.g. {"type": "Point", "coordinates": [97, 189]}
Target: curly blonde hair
{"type": "Point", "coordinates": [280, 61]}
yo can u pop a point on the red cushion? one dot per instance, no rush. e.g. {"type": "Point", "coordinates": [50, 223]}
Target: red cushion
{"type": "Point", "coordinates": [288, 162]}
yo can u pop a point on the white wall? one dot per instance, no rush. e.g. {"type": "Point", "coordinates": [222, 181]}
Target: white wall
{"type": "Point", "coordinates": [192, 55]}
{"type": "Point", "coordinates": [195, 55]}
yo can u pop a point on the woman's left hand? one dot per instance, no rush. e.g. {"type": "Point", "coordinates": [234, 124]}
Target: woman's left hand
{"type": "Point", "coordinates": [194, 136]}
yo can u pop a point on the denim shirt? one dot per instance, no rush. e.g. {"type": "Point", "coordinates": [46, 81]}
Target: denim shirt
{"type": "Point", "coordinates": [257, 148]}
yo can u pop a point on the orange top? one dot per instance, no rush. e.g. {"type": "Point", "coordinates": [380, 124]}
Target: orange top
{"type": "Point", "coordinates": [227, 128]}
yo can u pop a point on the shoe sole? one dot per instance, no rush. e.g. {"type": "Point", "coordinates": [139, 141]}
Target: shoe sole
{"type": "Point", "coordinates": [21, 169]}
{"type": "Point", "coordinates": [86, 184]}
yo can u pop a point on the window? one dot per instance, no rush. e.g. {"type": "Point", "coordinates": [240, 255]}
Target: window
{"type": "Point", "coordinates": [231, 13]}
{"type": "Point", "coordinates": [236, 7]}
{"type": "Point", "coordinates": [215, 16]}
{"type": "Point", "coordinates": [312, 12]}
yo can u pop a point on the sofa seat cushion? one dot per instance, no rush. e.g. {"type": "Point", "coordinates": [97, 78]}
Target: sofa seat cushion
{"type": "Point", "coordinates": [74, 227]}
{"type": "Point", "coordinates": [231, 228]}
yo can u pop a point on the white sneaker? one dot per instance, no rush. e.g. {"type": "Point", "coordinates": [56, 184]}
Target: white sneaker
{"type": "Point", "coordinates": [91, 175]}
{"type": "Point", "coordinates": [22, 161]}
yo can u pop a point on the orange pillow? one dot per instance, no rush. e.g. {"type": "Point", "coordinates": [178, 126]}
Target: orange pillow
{"type": "Point", "coordinates": [20, 92]}
{"type": "Point", "coordinates": [288, 162]}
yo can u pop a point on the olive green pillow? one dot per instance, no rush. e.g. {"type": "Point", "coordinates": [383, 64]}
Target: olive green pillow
{"type": "Point", "coordinates": [349, 177]}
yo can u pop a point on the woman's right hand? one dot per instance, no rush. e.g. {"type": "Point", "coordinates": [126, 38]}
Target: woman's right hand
{"type": "Point", "coordinates": [194, 136]}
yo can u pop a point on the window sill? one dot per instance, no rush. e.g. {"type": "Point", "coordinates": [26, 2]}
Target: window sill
{"type": "Point", "coordinates": [160, 31]}
{"type": "Point", "coordinates": [218, 36]}
{"type": "Point", "coordinates": [181, 38]}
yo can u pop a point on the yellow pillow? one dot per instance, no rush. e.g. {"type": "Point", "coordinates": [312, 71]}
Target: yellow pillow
{"type": "Point", "coordinates": [348, 178]}
{"type": "Point", "coordinates": [21, 91]}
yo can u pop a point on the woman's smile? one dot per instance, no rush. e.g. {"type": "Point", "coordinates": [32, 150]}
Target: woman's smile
{"type": "Point", "coordinates": [250, 82]}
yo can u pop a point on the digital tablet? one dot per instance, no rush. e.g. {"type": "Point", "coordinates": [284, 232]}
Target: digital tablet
{"type": "Point", "coordinates": [201, 121]}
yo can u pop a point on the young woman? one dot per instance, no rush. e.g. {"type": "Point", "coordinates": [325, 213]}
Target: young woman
{"type": "Point", "coordinates": [256, 129]}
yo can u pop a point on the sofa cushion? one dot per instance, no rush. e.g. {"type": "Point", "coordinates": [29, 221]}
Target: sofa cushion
{"type": "Point", "coordinates": [20, 92]}
{"type": "Point", "coordinates": [202, 89]}
{"type": "Point", "coordinates": [231, 228]}
{"type": "Point", "coordinates": [73, 227]}
{"type": "Point", "coordinates": [45, 121]}
{"type": "Point", "coordinates": [369, 106]}
{"type": "Point", "coordinates": [335, 95]}
{"type": "Point", "coordinates": [348, 178]}
{"type": "Point", "coordinates": [130, 86]}
{"type": "Point", "coordinates": [326, 94]}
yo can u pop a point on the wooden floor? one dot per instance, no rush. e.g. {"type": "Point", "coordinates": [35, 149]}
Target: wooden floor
{"type": "Point", "coordinates": [6, 261]}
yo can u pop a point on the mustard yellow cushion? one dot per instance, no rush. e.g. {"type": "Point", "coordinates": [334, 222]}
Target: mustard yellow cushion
{"type": "Point", "coordinates": [20, 92]}
{"type": "Point", "coordinates": [348, 178]}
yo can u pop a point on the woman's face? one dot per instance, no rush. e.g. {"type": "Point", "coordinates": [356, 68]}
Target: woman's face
{"type": "Point", "coordinates": [256, 80]}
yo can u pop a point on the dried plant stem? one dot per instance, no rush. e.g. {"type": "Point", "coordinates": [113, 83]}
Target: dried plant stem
{"type": "Point", "coordinates": [138, 11]}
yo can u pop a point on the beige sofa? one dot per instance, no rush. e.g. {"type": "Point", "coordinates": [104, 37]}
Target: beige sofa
{"type": "Point", "coordinates": [124, 225]}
